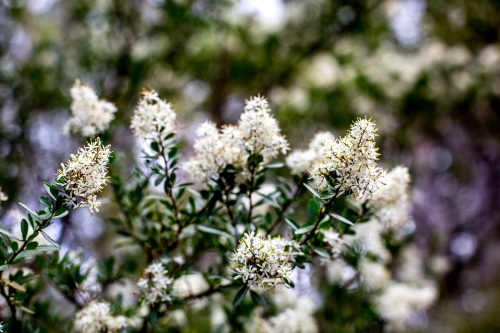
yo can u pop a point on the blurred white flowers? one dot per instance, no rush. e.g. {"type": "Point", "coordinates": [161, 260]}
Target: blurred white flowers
{"type": "Point", "coordinates": [85, 175]}
{"type": "Point", "coordinates": [300, 161]}
{"type": "Point", "coordinates": [90, 116]}
{"type": "Point", "coordinates": [348, 164]}
{"type": "Point", "coordinates": [3, 196]}
{"type": "Point", "coordinates": [153, 116]}
{"type": "Point", "coordinates": [391, 203]}
{"type": "Point", "coordinates": [96, 318]}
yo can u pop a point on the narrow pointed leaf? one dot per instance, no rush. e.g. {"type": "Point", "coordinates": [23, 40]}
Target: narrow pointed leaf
{"type": "Point", "coordinates": [50, 240]}
{"type": "Point", "coordinates": [313, 191]}
{"type": "Point", "coordinates": [240, 295]}
{"type": "Point", "coordinates": [303, 230]}
{"type": "Point", "coordinates": [341, 218]}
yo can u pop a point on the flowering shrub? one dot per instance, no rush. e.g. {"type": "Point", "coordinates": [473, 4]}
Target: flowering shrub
{"type": "Point", "coordinates": [240, 230]}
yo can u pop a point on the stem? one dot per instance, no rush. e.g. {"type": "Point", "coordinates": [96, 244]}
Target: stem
{"type": "Point", "coordinates": [208, 292]}
{"type": "Point", "coordinates": [284, 208]}
{"type": "Point", "coordinates": [169, 191]}
{"type": "Point", "coordinates": [322, 214]}
{"type": "Point", "coordinates": [15, 324]}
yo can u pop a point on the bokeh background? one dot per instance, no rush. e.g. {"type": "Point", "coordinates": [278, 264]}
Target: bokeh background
{"type": "Point", "coordinates": [428, 73]}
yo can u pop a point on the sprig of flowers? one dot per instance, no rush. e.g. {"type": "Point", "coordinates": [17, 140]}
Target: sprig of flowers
{"type": "Point", "coordinates": [155, 283]}
{"type": "Point", "coordinates": [257, 134]}
{"type": "Point", "coordinates": [300, 161]}
{"type": "Point", "coordinates": [85, 175]}
{"type": "Point", "coordinates": [96, 318]}
{"type": "Point", "coordinates": [90, 116]}
{"type": "Point", "coordinates": [348, 164]}
{"type": "Point", "coordinates": [153, 116]}
{"type": "Point", "coordinates": [264, 262]}
{"type": "Point", "coordinates": [391, 203]}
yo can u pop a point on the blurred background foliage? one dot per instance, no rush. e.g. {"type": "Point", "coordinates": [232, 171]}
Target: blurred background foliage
{"type": "Point", "coordinates": [427, 72]}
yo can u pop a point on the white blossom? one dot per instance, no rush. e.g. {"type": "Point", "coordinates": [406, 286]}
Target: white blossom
{"type": "Point", "coordinates": [3, 196]}
{"type": "Point", "coordinates": [96, 318]}
{"type": "Point", "coordinates": [155, 284]}
{"type": "Point", "coordinates": [391, 203]}
{"type": "Point", "coordinates": [85, 175]}
{"type": "Point", "coordinates": [153, 116]}
{"type": "Point", "coordinates": [368, 240]}
{"type": "Point", "coordinates": [398, 301]}
{"type": "Point", "coordinates": [261, 132]}
{"type": "Point", "coordinates": [295, 315]}
{"type": "Point", "coordinates": [374, 275]}
{"type": "Point", "coordinates": [90, 116]}
{"type": "Point", "coordinates": [215, 150]}
{"type": "Point", "coordinates": [300, 161]}
{"type": "Point", "coordinates": [257, 133]}
{"type": "Point", "coordinates": [334, 241]}
{"type": "Point", "coordinates": [264, 262]}
{"type": "Point", "coordinates": [348, 164]}
{"type": "Point", "coordinates": [190, 284]}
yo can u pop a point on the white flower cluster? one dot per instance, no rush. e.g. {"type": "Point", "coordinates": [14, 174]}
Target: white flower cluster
{"type": "Point", "coordinates": [348, 164]}
{"type": "Point", "coordinates": [264, 262]}
{"type": "Point", "coordinates": [295, 315]}
{"type": "Point", "coordinates": [334, 242]}
{"type": "Point", "coordinates": [374, 275]}
{"type": "Point", "coordinates": [153, 116]}
{"type": "Point", "coordinates": [257, 133]}
{"type": "Point", "coordinates": [3, 196]}
{"type": "Point", "coordinates": [300, 161]}
{"type": "Point", "coordinates": [398, 301]}
{"type": "Point", "coordinates": [155, 284]}
{"type": "Point", "coordinates": [368, 240]}
{"type": "Point", "coordinates": [215, 150]}
{"type": "Point", "coordinates": [391, 203]}
{"type": "Point", "coordinates": [90, 116]}
{"type": "Point", "coordinates": [261, 133]}
{"type": "Point", "coordinates": [96, 318]}
{"type": "Point", "coordinates": [85, 175]}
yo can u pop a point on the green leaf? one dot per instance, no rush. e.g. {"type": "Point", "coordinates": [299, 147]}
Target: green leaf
{"type": "Point", "coordinates": [29, 209]}
{"type": "Point", "coordinates": [14, 246]}
{"type": "Point", "coordinates": [61, 212]}
{"type": "Point", "coordinates": [313, 191]}
{"type": "Point", "coordinates": [25, 309]}
{"type": "Point", "coordinates": [51, 190]}
{"type": "Point", "coordinates": [240, 295]}
{"type": "Point", "coordinates": [31, 246]}
{"type": "Point", "coordinates": [172, 152]}
{"type": "Point", "coordinates": [4, 267]}
{"type": "Point", "coordinates": [153, 317]}
{"type": "Point", "coordinates": [45, 248]}
{"type": "Point", "coordinates": [291, 224]}
{"type": "Point", "coordinates": [33, 236]}
{"type": "Point", "coordinates": [313, 208]}
{"type": "Point", "coordinates": [212, 230]}
{"type": "Point", "coordinates": [50, 240]}
{"type": "Point", "coordinates": [159, 180]}
{"type": "Point", "coordinates": [8, 234]}
{"type": "Point", "coordinates": [21, 257]}
{"type": "Point", "coordinates": [24, 228]}
{"type": "Point", "coordinates": [155, 146]}
{"type": "Point", "coordinates": [303, 230]}
{"type": "Point", "coordinates": [45, 201]}
{"type": "Point", "coordinates": [341, 218]}
{"type": "Point", "coordinates": [276, 165]}
{"type": "Point", "coordinates": [322, 253]}
{"type": "Point", "coordinates": [258, 298]}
